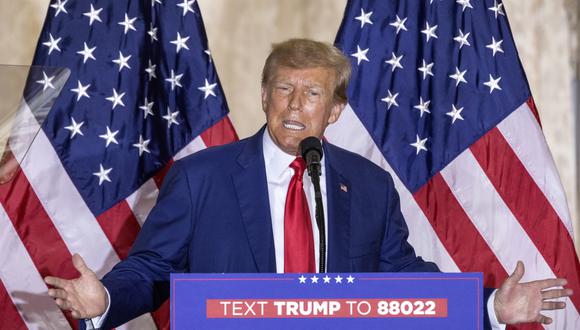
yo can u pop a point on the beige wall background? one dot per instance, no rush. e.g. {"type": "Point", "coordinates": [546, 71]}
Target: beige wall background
{"type": "Point", "coordinates": [547, 34]}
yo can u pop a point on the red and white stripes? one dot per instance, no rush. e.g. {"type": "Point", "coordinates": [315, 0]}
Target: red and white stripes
{"type": "Point", "coordinates": [498, 202]}
{"type": "Point", "coordinates": [43, 221]}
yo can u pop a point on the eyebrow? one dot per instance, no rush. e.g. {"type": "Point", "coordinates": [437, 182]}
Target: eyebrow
{"type": "Point", "coordinates": [306, 83]}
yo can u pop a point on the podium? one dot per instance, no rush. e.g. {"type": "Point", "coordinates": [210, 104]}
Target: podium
{"type": "Point", "coordinates": [327, 301]}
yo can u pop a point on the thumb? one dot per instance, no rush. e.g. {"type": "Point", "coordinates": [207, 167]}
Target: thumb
{"type": "Point", "coordinates": [80, 265]}
{"type": "Point", "coordinates": [518, 273]}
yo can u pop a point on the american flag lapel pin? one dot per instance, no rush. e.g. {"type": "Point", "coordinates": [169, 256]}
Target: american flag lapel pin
{"type": "Point", "coordinates": [343, 187]}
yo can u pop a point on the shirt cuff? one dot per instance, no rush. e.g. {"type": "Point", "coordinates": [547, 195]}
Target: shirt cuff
{"type": "Point", "coordinates": [495, 325]}
{"type": "Point", "coordinates": [97, 321]}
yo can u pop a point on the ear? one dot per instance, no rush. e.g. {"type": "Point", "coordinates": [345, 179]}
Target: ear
{"type": "Point", "coordinates": [335, 112]}
{"type": "Point", "coordinates": [264, 98]}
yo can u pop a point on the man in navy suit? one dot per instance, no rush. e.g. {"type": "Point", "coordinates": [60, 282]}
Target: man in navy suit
{"type": "Point", "coordinates": [222, 209]}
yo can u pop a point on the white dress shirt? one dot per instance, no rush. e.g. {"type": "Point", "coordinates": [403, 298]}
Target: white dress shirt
{"type": "Point", "coordinates": [278, 174]}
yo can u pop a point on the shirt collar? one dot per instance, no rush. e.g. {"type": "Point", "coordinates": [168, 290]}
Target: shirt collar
{"type": "Point", "coordinates": [276, 160]}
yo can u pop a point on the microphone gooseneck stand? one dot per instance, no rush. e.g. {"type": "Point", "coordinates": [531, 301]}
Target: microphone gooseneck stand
{"type": "Point", "coordinates": [311, 150]}
{"type": "Point", "coordinates": [320, 222]}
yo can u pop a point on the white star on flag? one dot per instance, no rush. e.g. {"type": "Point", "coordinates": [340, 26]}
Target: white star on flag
{"type": "Point", "coordinates": [455, 114]}
{"type": "Point", "coordinates": [52, 44]}
{"type": "Point", "coordinates": [426, 69]}
{"type": "Point", "coordinates": [391, 99]}
{"type": "Point", "coordinates": [186, 6]}
{"type": "Point", "coordinates": [302, 279]}
{"type": "Point", "coordinates": [493, 84]}
{"type": "Point", "coordinates": [423, 106]}
{"type": "Point", "coordinates": [361, 55]}
{"type": "Point", "coordinates": [497, 8]}
{"type": "Point", "coordinates": [429, 31]}
{"type": "Point", "coordinates": [128, 23]}
{"type": "Point", "coordinates": [142, 146]}
{"type": "Point", "coordinates": [399, 24]}
{"type": "Point", "coordinates": [465, 4]}
{"type": "Point", "coordinates": [364, 18]}
{"type": "Point", "coordinates": [174, 80]}
{"type": "Point", "coordinates": [495, 46]}
{"type": "Point", "coordinates": [180, 43]}
{"type": "Point", "coordinates": [151, 70]}
{"type": "Point", "coordinates": [462, 39]}
{"type": "Point", "coordinates": [338, 279]}
{"type": "Point", "coordinates": [93, 15]}
{"type": "Point", "coordinates": [395, 62]}
{"type": "Point", "coordinates": [350, 279]}
{"type": "Point", "coordinates": [459, 76]}
{"type": "Point", "coordinates": [208, 89]}
{"type": "Point", "coordinates": [46, 82]}
{"type": "Point", "coordinates": [81, 90]}
{"type": "Point", "coordinates": [59, 6]}
{"type": "Point", "coordinates": [171, 117]}
{"type": "Point", "coordinates": [87, 53]}
{"type": "Point", "coordinates": [147, 108]}
{"type": "Point", "coordinates": [419, 144]}
{"type": "Point", "coordinates": [326, 279]}
{"type": "Point", "coordinates": [103, 174]}
{"type": "Point", "coordinates": [116, 98]}
{"type": "Point", "coordinates": [74, 128]}
{"type": "Point", "coordinates": [122, 61]}
{"type": "Point", "coordinates": [152, 33]}
{"type": "Point", "coordinates": [109, 137]}
{"type": "Point", "coordinates": [314, 279]}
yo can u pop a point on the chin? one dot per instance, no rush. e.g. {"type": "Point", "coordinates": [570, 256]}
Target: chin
{"type": "Point", "coordinates": [291, 148]}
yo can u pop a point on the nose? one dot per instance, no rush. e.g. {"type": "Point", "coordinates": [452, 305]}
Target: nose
{"type": "Point", "coordinates": [295, 101]}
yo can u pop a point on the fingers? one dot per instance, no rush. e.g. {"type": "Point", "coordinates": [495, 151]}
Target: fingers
{"type": "Point", "coordinates": [550, 283]}
{"type": "Point", "coordinates": [551, 305]}
{"type": "Point", "coordinates": [556, 293]}
{"type": "Point", "coordinates": [543, 319]}
{"type": "Point", "coordinates": [55, 281]}
{"type": "Point", "coordinates": [57, 293]}
{"type": "Point", "coordinates": [518, 273]}
{"type": "Point", "coordinates": [63, 304]}
{"type": "Point", "coordinates": [80, 265]}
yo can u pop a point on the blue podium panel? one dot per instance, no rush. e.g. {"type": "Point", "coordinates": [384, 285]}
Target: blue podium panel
{"type": "Point", "coordinates": [327, 301]}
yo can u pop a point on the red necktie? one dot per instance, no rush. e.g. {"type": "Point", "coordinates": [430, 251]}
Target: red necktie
{"type": "Point", "coordinates": [298, 240]}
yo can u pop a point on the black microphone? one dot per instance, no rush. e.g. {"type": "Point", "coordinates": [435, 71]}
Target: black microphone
{"type": "Point", "coordinates": [311, 151]}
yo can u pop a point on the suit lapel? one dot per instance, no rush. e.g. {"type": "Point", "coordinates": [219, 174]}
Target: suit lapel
{"type": "Point", "coordinates": [252, 192]}
{"type": "Point", "coordinates": [338, 199]}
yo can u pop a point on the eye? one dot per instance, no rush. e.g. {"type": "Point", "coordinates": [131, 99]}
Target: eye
{"type": "Point", "coordinates": [313, 93]}
{"type": "Point", "coordinates": [283, 89]}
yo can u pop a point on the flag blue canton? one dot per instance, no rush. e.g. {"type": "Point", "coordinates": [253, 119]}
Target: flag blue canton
{"type": "Point", "coordinates": [142, 86]}
{"type": "Point", "coordinates": [430, 77]}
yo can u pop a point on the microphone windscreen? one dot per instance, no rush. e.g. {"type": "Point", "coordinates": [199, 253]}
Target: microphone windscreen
{"type": "Point", "coordinates": [310, 144]}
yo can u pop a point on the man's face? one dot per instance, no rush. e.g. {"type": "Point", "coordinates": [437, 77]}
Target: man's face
{"type": "Point", "coordinates": [299, 103]}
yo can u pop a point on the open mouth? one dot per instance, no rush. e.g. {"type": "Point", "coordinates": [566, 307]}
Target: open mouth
{"type": "Point", "coordinates": [293, 125]}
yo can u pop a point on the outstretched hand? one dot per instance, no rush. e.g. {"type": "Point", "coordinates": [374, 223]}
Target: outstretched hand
{"type": "Point", "coordinates": [523, 302]}
{"type": "Point", "coordinates": [84, 296]}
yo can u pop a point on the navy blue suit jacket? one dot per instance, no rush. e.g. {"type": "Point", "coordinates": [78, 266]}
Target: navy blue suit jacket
{"type": "Point", "coordinates": [213, 216]}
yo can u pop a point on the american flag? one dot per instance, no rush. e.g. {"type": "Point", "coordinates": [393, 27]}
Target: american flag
{"type": "Point", "coordinates": [142, 92]}
{"type": "Point", "coordinates": [439, 99]}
